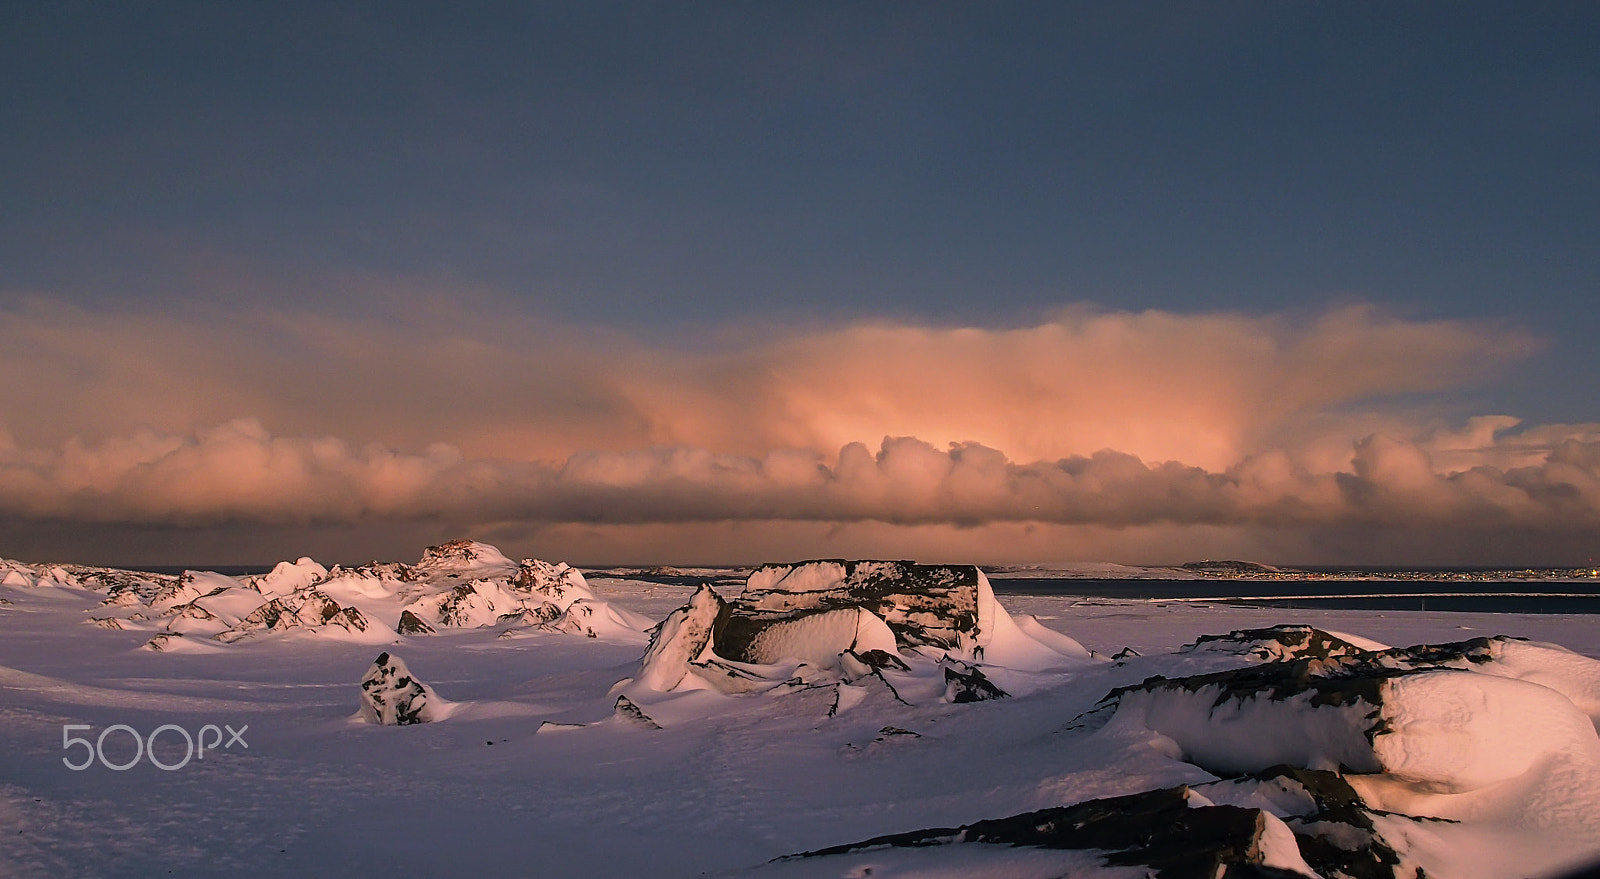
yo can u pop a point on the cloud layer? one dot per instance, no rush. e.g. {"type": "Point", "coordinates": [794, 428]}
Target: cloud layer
{"type": "Point", "coordinates": [1090, 421]}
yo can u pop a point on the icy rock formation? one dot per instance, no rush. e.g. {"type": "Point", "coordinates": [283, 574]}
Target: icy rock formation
{"type": "Point", "coordinates": [392, 697]}
{"type": "Point", "coordinates": [680, 639]}
{"type": "Point", "coordinates": [830, 622]}
{"type": "Point", "coordinates": [933, 606]}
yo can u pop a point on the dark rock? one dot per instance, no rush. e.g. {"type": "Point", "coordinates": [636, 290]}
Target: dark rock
{"type": "Point", "coordinates": [1183, 832]}
{"type": "Point", "coordinates": [968, 684]}
{"type": "Point", "coordinates": [628, 712]}
{"type": "Point", "coordinates": [1276, 644]}
{"type": "Point", "coordinates": [1157, 829]}
{"type": "Point", "coordinates": [411, 624]}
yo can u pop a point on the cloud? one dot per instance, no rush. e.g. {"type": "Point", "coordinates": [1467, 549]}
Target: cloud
{"type": "Point", "coordinates": [240, 472]}
{"type": "Point", "coordinates": [1205, 390]}
{"type": "Point", "coordinates": [1094, 422]}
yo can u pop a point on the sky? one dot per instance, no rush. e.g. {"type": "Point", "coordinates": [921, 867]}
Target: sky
{"type": "Point", "coordinates": [700, 283]}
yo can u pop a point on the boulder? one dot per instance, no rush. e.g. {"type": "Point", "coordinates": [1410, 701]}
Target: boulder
{"type": "Point", "coordinates": [392, 697]}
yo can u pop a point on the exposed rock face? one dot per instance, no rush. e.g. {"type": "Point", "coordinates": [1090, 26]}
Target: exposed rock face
{"type": "Point", "coordinates": [392, 697]}
{"type": "Point", "coordinates": [411, 624]}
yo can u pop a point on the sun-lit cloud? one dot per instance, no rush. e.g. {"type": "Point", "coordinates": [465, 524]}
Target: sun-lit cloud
{"type": "Point", "coordinates": [1109, 423]}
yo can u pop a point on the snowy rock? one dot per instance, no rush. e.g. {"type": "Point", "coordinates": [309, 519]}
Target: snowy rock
{"type": "Point", "coordinates": [1172, 831]}
{"type": "Point", "coordinates": [597, 619]}
{"type": "Point", "coordinates": [286, 577]}
{"type": "Point", "coordinates": [557, 584]}
{"type": "Point", "coordinates": [392, 697]}
{"type": "Point", "coordinates": [305, 608]}
{"type": "Point", "coordinates": [1441, 728]}
{"type": "Point", "coordinates": [1276, 644]}
{"type": "Point", "coordinates": [1282, 822]}
{"type": "Point", "coordinates": [965, 683]}
{"type": "Point", "coordinates": [932, 606]}
{"type": "Point", "coordinates": [824, 622]}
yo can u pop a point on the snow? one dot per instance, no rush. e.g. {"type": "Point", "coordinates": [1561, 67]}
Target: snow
{"type": "Point", "coordinates": [1505, 744]}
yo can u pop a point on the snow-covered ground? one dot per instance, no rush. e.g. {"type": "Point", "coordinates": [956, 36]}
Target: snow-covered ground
{"type": "Point", "coordinates": [534, 767]}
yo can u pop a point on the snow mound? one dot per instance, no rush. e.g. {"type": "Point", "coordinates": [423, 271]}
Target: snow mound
{"type": "Point", "coordinates": [391, 696]}
{"type": "Point", "coordinates": [286, 577]}
{"type": "Point", "coordinates": [465, 556]}
{"type": "Point", "coordinates": [598, 619]}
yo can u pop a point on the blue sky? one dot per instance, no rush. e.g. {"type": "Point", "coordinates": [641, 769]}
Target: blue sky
{"type": "Point", "coordinates": [685, 176]}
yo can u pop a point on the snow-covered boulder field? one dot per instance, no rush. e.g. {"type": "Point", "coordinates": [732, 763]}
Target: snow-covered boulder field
{"type": "Point", "coordinates": [457, 585]}
{"type": "Point", "coordinates": [821, 719]}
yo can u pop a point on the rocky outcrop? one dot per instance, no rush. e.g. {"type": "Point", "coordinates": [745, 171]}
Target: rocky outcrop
{"type": "Point", "coordinates": [1276, 644]}
{"type": "Point", "coordinates": [825, 622]}
{"type": "Point", "coordinates": [306, 608]}
{"type": "Point", "coordinates": [392, 697]}
{"type": "Point", "coordinates": [934, 606]}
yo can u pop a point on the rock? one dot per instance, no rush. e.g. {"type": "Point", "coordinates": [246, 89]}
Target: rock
{"type": "Point", "coordinates": [411, 624]}
{"type": "Point", "coordinates": [630, 713]}
{"type": "Point", "coordinates": [964, 683]}
{"type": "Point", "coordinates": [1275, 644]}
{"type": "Point", "coordinates": [1171, 831]}
{"type": "Point", "coordinates": [1387, 712]}
{"type": "Point", "coordinates": [392, 697]}
{"type": "Point", "coordinates": [933, 606]}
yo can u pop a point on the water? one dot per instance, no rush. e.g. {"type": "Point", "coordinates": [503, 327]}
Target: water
{"type": "Point", "coordinates": [1520, 596]}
